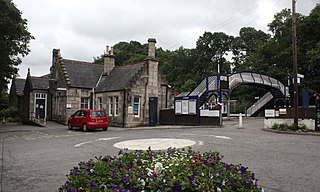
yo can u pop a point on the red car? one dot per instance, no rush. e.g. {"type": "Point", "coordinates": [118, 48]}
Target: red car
{"type": "Point", "coordinates": [89, 119]}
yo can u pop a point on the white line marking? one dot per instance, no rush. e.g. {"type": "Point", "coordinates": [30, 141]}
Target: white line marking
{"type": "Point", "coordinates": [200, 143]}
{"type": "Point", "coordinates": [216, 136]}
{"type": "Point", "coordinates": [78, 145]}
{"type": "Point", "coordinates": [222, 137]}
{"type": "Point", "coordinates": [101, 139]}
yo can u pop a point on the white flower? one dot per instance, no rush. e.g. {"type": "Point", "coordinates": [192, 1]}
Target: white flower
{"type": "Point", "coordinates": [143, 183]}
{"type": "Point", "coordinates": [164, 181]}
{"type": "Point", "coordinates": [149, 171]}
{"type": "Point", "coordinates": [91, 170]}
{"type": "Point", "coordinates": [158, 167]}
{"type": "Point", "coordinates": [218, 189]}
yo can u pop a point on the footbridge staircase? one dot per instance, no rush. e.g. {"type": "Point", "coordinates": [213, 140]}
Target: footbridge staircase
{"type": "Point", "coordinates": [223, 84]}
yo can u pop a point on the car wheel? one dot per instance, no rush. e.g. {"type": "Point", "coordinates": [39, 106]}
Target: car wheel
{"type": "Point", "coordinates": [70, 126]}
{"type": "Point", "coordinates": [84, 127]}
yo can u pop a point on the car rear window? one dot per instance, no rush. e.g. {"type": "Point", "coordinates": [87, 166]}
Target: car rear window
{"type": "Point", "coordinates": [98, 114]}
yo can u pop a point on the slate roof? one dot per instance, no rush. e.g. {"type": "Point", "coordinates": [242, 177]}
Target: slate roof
{"type": "Point", "coordinates": [119, 78]}
{"type": "Point", "coordinates": [40, 83]}
{"type": "Point", "coordinates": [19, 86]}
{"type": "Point", "coordinates": [82, 74]}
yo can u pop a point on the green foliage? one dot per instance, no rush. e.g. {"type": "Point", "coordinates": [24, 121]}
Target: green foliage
{"type": "Point", "coordinates": [170, 170]}
{"type": "Point", "coordinates": [9, 112]}
{"type": "Point", "coordinates": [285, 127]}
{"type": "Point", "coordinates": [252, 50]}
{"type": "Point", "coordinates": [14, 41]}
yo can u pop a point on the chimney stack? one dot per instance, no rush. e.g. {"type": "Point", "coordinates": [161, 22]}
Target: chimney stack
{"type": "Point", "coordinates": [109, 60]}
{"type": "Point", "coordinates": [152, 48]}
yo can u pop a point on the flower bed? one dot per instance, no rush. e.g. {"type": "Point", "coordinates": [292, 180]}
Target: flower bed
{"type": "Point", "coordinates": [170, 170]}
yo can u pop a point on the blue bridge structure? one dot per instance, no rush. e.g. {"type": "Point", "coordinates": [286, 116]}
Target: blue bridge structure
{"type": "Point", "coordinates": [217, 88]}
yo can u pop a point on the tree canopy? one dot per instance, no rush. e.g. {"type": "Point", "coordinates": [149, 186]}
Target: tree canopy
{"type": "Point", "coordinates": [14, 41]}
{"type": "Point", "coordinates": [252, 50]}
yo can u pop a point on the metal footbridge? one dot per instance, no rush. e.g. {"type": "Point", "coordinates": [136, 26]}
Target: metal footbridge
{"type": "Point", "coordinates": [220, 84]}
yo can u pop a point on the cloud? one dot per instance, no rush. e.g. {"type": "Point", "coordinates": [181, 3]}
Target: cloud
{"type": "Point", "coordinates": [82, 29]}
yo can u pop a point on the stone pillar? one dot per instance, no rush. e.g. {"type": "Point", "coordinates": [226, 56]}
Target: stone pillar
{"type": "Point", "coordinates": [152, 48]}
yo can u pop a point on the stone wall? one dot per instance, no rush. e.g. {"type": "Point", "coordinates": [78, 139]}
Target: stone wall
{"type": "Point", "coordinates": [269, 122]}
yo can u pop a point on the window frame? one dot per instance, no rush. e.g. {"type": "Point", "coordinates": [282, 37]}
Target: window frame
{"type": "Point", "coordinates": [84, 101]}
{"type": "Point", "coordinates": [136, 104]}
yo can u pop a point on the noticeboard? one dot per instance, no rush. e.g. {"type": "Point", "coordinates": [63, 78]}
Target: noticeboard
{"type": "Point", "coordinates": [178, 107]}
{"type": "Point", "coordinates": [186, 105]}
{"type": "Point", "coordinates": [269, 113]}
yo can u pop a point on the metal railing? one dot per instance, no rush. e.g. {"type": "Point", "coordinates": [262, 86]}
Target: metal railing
{"type": "Point", "coordinates": [259, 104]}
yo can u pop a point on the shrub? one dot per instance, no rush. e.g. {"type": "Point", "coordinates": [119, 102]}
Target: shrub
{"type": "Point", "coordinates": [286, 127]}
{"type": "Point", "coordinates": [170, 170]}
{"type": "Point", "coordinates": [8, 112]}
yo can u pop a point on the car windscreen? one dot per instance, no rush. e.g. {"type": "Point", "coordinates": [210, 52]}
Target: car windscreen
{"type": "Point", "coordinates": [98, 114]}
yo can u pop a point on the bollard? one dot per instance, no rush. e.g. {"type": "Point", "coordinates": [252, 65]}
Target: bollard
{"type": "Point", "coordinates": [240, 121]}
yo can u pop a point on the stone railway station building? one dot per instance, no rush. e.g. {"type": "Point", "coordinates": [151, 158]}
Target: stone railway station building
{"type": "Point", "coordinates": [132, 94]}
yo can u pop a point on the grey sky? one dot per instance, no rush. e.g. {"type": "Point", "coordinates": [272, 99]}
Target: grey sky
{"type": "Point", "coordinates": [82, 28]}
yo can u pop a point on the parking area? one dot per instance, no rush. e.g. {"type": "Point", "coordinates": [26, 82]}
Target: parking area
{"type": "Point", "coordinates": [38, 159]}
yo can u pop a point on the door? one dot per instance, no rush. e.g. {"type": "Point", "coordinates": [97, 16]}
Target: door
{"type": "Point", "coordinates": [40, 108]}
{"type": "Point", "coordinates": [153, 111]}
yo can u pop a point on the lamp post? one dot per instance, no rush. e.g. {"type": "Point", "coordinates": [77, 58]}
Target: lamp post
{"type": "Point", "coordinates": [294, 61]}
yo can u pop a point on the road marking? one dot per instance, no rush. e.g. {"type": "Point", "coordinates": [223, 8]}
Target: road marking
{"type": "Point", "coordinates": [101, 139]}
{"type": "Point", "coordinates": [200, 143]}
{"type": "Point", "coordinates": [216, 136]}
{"type": "Point", "coordinates": [222, 137]}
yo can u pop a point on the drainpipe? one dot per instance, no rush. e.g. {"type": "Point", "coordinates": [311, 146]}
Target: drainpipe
{"type": "Point", "coordinates": [124, 108]}
{"type": "Point", "coordinates": [145, 97]}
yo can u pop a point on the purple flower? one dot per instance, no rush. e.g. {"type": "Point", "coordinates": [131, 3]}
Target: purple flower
{"type": "Point", "coordinates": [247, 182]}
{"type": "Point", "coordinates": [92, 185]}
{"type": "Point", "coordinates": [191, 179]}
{"type": "Point", "coordinates": [149, 153]}
{"type": "Point", "coordinates": [243, 170]}
{"type": "Point", "coordinates": [176, 187]}
{"type": "Point", "coordinates": [105, 159]}
{"type": "Point", "coordinates": [72, 190]}
{"type": "Point", "coordinates": [120, 152]}
{"type": "Point", "coordinates": [124, 179]}
{"type": "Point", "coordinates": [253, 176]}
{"type": "Point", "coordinates": [152, 176]}
{"type": "Point", "coordinates": [115, 188]}
{"type": "Point", "coordinates": [227, 166]}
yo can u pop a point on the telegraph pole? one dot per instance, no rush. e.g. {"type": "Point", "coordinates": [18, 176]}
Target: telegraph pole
{"type": "Point", "coordinates": [294, 61]}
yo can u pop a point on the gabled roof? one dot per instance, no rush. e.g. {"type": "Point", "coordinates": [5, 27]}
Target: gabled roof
{"type": "Point", "coordinates": [40, 83]}
{"type": "Point", "coordinates": [82, 74]}
{"type": "Point", "coordinates": [119, 78]}
{"type": "Point", "coordinates": [19, 86]}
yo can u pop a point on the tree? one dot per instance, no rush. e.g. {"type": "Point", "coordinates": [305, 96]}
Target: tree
{"type": "Point", "coordinates": [127, 53]}
{"type": "Point", "coordinates": [212, 49]}
{"type": "Point", "coordinates": [14, 41]}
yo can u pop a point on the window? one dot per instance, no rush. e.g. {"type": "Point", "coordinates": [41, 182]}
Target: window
{"type": "Point", "coordinates": [84, 103]}
{"type": "Point", "coordinates": [116, 106]}
{"type": "Point", "coordinates": [113, 106]}
{"type": "Point", "coordinates": [100, 102]}
{"type": "Point", "coordinates": [136, 106]}
{"type": "Point", "coordinates": [110, 106]}
{"type": "Point", "coordinates": [41, 95]}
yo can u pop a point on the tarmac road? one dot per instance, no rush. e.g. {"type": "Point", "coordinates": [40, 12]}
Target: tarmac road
{"type": "Point", "coordinates": [37, 159]}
